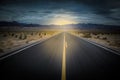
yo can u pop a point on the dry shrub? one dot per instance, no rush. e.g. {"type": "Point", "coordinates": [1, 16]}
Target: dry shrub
{"type": "Point", "coordinates": [87, 35]}
{"type": "Point", "coordinates": [1, 50]}
{"type": "Point", "coordinates": [115, 43]}
{"type": "Point", "coordinates": [104, 38]}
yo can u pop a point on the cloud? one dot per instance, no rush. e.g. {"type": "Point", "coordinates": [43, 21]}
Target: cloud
{"type": "Point", "coordinates": [33, 11]}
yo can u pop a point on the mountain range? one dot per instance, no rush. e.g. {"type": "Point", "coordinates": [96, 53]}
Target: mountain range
{"type": "Point", "coordinates": [78, 26]}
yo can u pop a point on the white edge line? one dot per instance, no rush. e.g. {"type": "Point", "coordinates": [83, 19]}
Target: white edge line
{"type": "Point", "coordinates": [26, 47]}
{"type": "Point", "coordinates": [98, 45]}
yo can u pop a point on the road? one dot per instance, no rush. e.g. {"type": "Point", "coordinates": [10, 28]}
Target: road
{"type": "Point", "coordinates": [62, 57]}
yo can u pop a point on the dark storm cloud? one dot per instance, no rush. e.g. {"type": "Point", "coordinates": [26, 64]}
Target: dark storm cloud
{"type": "Point", "coordinates": [6, 10]}
{"type": "Point", "coordinates": [41, 11]}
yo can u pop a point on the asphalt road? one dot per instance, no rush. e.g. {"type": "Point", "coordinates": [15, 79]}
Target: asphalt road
{"type": "Point", "coordinates": [81, 60]}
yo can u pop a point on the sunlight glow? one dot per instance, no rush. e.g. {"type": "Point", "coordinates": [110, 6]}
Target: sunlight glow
{"type": "Point", "coordinates": [62, 19]}
{"type": "Point", "coordinates": [63, 22]}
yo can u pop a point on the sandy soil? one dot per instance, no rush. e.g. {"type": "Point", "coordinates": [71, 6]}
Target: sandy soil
{"type": "Point", "coordinates": [10, 41]}
{"type": "Point", "coordinates": [110, 40]}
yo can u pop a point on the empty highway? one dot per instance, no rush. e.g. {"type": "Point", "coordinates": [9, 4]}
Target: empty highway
{"type": "Point", "coordinates": [62, 57]}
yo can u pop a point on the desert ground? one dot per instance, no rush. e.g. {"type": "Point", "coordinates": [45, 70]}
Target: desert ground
{"type": "Point", "coordinates": [14, 39]}
{"type": "Point", "coordinates": [110, 40]}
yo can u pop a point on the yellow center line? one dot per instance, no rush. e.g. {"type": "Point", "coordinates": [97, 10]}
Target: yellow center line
{"type": "Point", "coordinates": [64, 61]}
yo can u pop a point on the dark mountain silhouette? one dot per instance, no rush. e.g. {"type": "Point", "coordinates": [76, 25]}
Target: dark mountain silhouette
{"type": "Point", "coordinates": [15, 23]}
{"type": "Point", "coordinates": [94, 26]}
{"type": "Point", "coordinates": [82, 26]}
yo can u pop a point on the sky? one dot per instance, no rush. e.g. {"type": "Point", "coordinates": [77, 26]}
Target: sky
{"type": "Point", "coordinates": [61, 12]}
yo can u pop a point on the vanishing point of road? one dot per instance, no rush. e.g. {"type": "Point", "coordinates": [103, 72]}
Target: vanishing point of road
{"type": "Point", "coordinates": [62, 57]}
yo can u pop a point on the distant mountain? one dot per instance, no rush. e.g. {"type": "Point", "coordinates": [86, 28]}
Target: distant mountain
{"type": "Point", "coordinates": [89, 26]}
{"type": "Point", "coordinates": [15, 23]}
{"type": "Point", "coordinates": [81, 26]}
